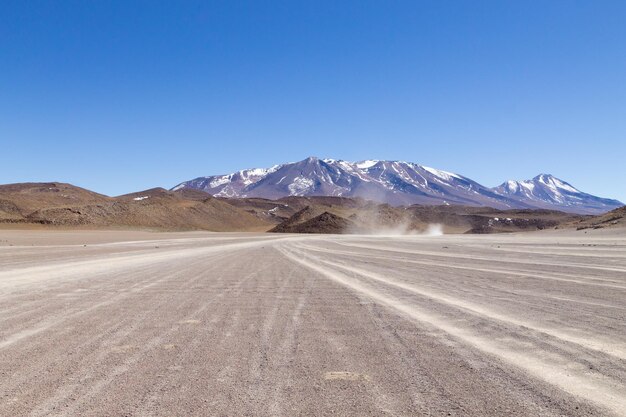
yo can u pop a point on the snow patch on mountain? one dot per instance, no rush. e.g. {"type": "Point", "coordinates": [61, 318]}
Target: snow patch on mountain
{"type": "Point", "coordinates": [444, 175]}
{"type": "Point", "coordinates": [220, 181]}
{"type": "Point", "coordinates": [366, 164]}
{"type": "Point", "coordinates": [300, 185]}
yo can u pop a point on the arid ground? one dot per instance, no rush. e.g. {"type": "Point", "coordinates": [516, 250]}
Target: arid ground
{"type": "Point", "coordinates": [139, 324]}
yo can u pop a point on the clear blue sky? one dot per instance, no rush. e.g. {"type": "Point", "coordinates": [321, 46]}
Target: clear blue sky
{"type": "Point", "coordinates": [119, 96]}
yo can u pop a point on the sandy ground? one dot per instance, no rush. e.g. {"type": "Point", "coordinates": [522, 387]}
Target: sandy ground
{"type": "Point", "coordinates": [140, 324]}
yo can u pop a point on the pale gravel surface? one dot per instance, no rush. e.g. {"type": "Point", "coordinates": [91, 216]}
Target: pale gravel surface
{"type": "Point", "coordinates": [140, 324]}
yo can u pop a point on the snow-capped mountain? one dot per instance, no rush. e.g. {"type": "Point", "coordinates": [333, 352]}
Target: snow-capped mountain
{"type": "Point", "coordinates": [547, 191]}
{"type": "Point", "coordinates": [230, 185]}
{"type": "Point", "coordinates": [394, 182]}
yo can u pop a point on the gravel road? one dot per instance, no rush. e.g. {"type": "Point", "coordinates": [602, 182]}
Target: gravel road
{"type": "Point", "coordinates": [256, 324]}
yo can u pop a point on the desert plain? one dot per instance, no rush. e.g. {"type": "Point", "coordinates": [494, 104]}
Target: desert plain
{"type": "Point", "coordinates": [124, 323]}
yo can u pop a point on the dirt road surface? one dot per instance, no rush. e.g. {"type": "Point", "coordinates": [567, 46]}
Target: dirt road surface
{"type": "Point", "coordinates": [256, 324]}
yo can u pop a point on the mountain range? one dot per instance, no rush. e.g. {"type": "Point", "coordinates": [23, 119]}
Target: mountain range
{"type": "Point", "coordinates": [397, 183]}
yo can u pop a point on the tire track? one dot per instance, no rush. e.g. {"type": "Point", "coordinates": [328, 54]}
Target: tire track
{"type": "Point", "coordinates": [553, 276]}
{"type": "Point", "coordinates": [562, 372]}
{"type": "Point", "coordinates": [609, 347]}
{"type": "Point", "coordinates": [481, 258]}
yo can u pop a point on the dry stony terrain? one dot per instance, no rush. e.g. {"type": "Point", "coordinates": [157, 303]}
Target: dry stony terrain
{"type": "Point", "coordinates": [137, 324]}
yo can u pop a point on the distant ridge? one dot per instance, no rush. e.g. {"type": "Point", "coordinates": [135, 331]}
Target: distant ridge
{"type": "Point", "coordinates": [55, 204]}
{"type": "Point", "coordinates": [397, 183]}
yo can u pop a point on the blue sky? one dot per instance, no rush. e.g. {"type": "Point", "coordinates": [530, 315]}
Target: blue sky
{"type": "Point", "coordinates": [119, 96]}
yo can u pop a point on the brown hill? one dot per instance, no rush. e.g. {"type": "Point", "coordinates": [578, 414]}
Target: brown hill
{"type": "Point", "coordinates": [32, 196]}
{"type": "Point", "coordinates": [306, 214]}
{"type": "Point", "coordinates": [66, 205]}
{"type": "Point", "coordinates": [614, 218]}
{"type": "Point", "coordinates": [326, 222]}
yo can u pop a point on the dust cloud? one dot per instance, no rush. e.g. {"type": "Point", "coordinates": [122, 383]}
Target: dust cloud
{"type": "Point", "coordinates": [400, 229]}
